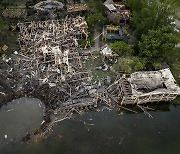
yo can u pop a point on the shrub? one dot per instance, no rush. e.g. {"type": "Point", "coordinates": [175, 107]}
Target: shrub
{"type": "Point", "coordinates": [121, 48]}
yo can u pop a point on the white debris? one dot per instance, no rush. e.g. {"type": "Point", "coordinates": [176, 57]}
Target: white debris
{"type": "Point", "coordinates": [106, 51]}
{"type": "Point", "coordinates": [106, 67]}
{"type": "Point", "coordinates": [171, 17]}
{"type": "Point", "coordinates": [110, 5]}
{"type": "Point", "coordinates": [173, 23]}
{"type": "Point", "coordinates": [27, 76]}
{"type": "Point", "coordinates": [11, 70]}
{"type": "Point", "coordinates": [58, 71]}
{"type": "Point", "coordinates": [8, 60]}
{"type": "Point", "coordinates": [44, 80]}
{"type": "Point", "coordinates": [15, 52]}
{"type": "Point", "coordinates": [9, 110]}
{"type": "Point", "coordinates": [52, 84]}
{"type": "Point", "coordinates": [2, 93]}
{"type": "Point", "coordinates": [176, 30]}
{"type": "Point", "coordinates": [42, 122]}
{"type": "Point", "coordinates": [5, 136]}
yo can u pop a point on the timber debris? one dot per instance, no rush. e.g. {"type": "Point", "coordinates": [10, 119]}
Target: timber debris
{"type": "Point", "coordinates": [78, 7]}
{"type": "Point", "coordinates": [50, 65]}
{"type": "Point", "coordinates": [116, 12]}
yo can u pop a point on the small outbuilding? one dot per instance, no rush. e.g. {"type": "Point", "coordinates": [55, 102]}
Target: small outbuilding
{"type": "Point", "coordinates": [48, 5]}
{"type": "Point", "coordinates": [112, 33]}
{"type": "Point", "coordinates": [117, 12]}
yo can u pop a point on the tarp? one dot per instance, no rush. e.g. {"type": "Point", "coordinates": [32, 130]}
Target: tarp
{"type": "Point", "coordinates": [106, 51]}
{"type": "Point", "coordinates": [110, 5]}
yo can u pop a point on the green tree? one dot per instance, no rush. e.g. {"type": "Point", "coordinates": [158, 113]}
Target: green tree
{"type": "Point", "coordinates": [129, 64]}
{"type": "Point", "coordinates": [157, 66]}
{"type": "Point", "coordinates": [96, 18]}
{"type": "Point", "coordinates": [157, 44]}
{"type": "Point", "coordinates": [96, 6]}
{"type": "Point", "coordinates": [150, 14]}
{"type": "Point", "coordinates": [121, 48]}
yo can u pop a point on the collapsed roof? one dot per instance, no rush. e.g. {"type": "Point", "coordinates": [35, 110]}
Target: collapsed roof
{"type": "Point", "coordinates": [117, 11]}
{"type": "Point", "coordinates": [54, 42]}
{"type": "Point", "coordinates": [144, 87]}
{"type": "Point", "coordinates": [151, 82]}
{"type": "Point", "coordinates": [52, 32]}
{"type": "Point", "coordinates": [76, 7]}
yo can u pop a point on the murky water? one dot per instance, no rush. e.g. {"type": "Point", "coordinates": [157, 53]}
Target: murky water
{"type": "Point", "coordinates": [109, 133]}
{"type": "Point", "coordinates": [18, 118]}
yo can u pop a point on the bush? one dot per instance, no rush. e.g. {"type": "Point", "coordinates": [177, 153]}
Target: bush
{"type": "Point", "coordinates": [129, 65]}
{"type": "Point", "coordinates": [157, 66]}
{"type": "Point", "coordinates": [157, 44]}
{"type": "Point", "coordinates": [96, 18]}
{"type": "Point", "coordinates": [83, 43]}
{"type": "Point", "coordinates": [121, 48]}
{"type": "Point", "coordinates": [96, 6]}
{"type": "Point", "coordinates": [150, 14]}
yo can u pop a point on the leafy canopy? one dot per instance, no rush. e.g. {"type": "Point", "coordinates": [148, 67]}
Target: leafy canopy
{"type": "Point", "coordinates": [157, 43]}
{"type": "Point", "coordinates": [150, 14]}
{"type": "Point", "coordinates": [96, 18]}
{"type": "Point", "coordinates": [121, 48]}
{"type": "Point", "coordinates": [96, 6]}
{"type": "Point", "coordinates": [129, 64]}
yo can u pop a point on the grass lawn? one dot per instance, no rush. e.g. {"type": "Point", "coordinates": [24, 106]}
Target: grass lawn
{"type": "Point", "coordinates": [92, 64]}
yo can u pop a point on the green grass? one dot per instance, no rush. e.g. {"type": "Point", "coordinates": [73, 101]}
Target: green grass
{"type": "Point", "coordinates": [13, 3]}
{"type": "Point", "coordinates": [92, 64]}
{"type": "Point", "coordinates": [10, 39]}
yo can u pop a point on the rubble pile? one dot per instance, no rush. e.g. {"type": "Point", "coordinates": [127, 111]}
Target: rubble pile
{"type": "Point", "coordinates": [49, 67]}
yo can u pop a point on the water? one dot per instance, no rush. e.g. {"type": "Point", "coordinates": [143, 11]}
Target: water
{"type": "Point", "coordinates": [18, 118]}
{"type": "Point", "coordinates": [109, 133]}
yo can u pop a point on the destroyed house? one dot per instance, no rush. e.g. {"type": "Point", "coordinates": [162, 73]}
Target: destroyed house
{"type": "Point", "coordinates": [117, 12]}
{"type": "Point", "coordinates": [150, 86]}
{"type": "Point", "coordinates": [78, 7]}
{"type": "Point", "coordinates": [112, 32]}
{"type": "Point", "coordinates": [54, 41]}
{"type": "Point", "coordinates": [52, 32]}
{"type": "Point", "coordinates": [14, 13]}
{"type": "Point", "coordinates": [50, 51]}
